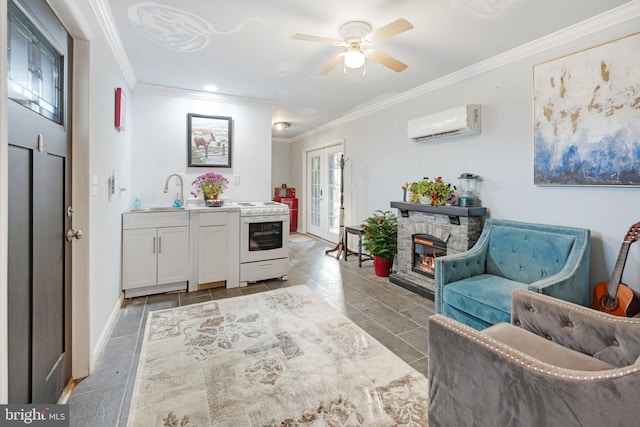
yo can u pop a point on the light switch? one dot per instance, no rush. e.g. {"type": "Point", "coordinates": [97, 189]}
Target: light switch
{"type": "Point", "coordinates": [94, 185]}
{"type": "Point", "coordinates": [236, 179]}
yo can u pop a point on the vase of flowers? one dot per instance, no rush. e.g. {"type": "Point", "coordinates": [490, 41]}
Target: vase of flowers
{"type": "Point", "coordinates": [437, 191]}
{"type": "Point", "coordinates": [210, 185]}
{"type": "Point", "coordinates": [380, 240]}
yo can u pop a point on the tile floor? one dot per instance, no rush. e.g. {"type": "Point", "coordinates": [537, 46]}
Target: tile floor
{"type": "Point", "coordinates": [397, 318]}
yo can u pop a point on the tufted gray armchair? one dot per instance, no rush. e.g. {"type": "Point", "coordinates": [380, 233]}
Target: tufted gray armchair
{"type": "Point", "coordinates": [475, 287]}
{"type": "Point", "coordinates": [556, 364]}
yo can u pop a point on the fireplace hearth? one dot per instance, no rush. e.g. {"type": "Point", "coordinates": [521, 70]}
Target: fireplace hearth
{"type": "Point", "coordinates": [426, 232]}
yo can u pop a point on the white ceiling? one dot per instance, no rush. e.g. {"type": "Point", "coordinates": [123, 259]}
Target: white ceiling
{"type": "Point", "coordinates": [244, 47]}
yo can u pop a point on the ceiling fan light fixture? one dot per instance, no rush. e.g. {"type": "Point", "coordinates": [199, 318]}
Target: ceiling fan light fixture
{"type": "Point", "coordinates": [354, 59]}
{"type": "Point", "coordinates": [281, 125]}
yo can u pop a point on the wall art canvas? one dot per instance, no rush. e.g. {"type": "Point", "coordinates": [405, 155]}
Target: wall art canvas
{"type": "Point", "coordinates": [209, 140]}
{"type": "Point", "coordinates": [587, 116]}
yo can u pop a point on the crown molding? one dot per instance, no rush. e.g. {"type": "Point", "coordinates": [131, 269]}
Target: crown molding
{"type": "Point", "coordinates": [105, 19]}
{"type": "Point", "coordinates": [280, 139]}
{"type": "Point", "coordinates": [589, 26]}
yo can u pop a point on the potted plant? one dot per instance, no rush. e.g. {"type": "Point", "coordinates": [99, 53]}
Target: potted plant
{"type": "Point", "coordinates": [436, 190]}
{"type": "Point", "coordinates": [211, 185]}
{"type": "Point", "coordinates": [380, 240]}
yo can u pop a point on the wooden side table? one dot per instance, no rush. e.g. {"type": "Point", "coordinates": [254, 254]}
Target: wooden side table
{"type": "Point", "coordinates": [357, 230]}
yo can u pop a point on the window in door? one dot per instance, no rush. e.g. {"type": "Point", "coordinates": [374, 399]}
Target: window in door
{"type": "Point", "coordinates": [34, 77]}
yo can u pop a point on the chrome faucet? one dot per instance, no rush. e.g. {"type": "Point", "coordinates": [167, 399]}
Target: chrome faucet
{"type": "Point", "coordinates": [166, 188]}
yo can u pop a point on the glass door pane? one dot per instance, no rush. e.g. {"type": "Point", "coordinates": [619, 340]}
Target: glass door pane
{"type": "Point", "coordinates": [333, 202]}
{"type": "Point", "coordinates": [316, 191]}
{"type": "Point", "coordinates": [34, 67]}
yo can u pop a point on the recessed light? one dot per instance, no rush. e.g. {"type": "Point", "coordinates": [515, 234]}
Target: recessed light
{"type": "Point", "coordinates": [211, 88]}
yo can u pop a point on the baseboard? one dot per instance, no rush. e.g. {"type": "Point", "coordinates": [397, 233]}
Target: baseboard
{"type": "Point", "coordinates": [106, 333]}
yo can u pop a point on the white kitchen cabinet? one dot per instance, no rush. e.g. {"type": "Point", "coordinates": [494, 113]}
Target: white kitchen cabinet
{"type": "Point", "coordinates": [173, 254]}
{"type": "Point", "coordinates": [212, 254]}
{"type": "Point", "coordinates": [214, 247]}
{"type": "Point", "coordinates": [139, 258]}
{"type": "Point", "coordinates": [155, 252]}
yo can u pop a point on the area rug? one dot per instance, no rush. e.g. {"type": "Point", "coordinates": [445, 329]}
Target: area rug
{"type": "Point", "coordinates": [278, 358]}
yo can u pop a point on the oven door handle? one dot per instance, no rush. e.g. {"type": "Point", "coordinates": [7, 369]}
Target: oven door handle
{"type": "Point", "coordinates": [253, 219]}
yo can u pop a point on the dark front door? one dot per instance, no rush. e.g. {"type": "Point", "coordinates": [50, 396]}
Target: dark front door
{"type": "Point", "coordinates": [39, 255]}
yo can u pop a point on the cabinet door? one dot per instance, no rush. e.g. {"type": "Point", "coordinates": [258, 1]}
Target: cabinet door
{"type": "Point", "coordinates": [139, 258]}
{"type": "Point", "coordinates": [173, 255]}
{"type": "Point", "coordinates": [212, 254]}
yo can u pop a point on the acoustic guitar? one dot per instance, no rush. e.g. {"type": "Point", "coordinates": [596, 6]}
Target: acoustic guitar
{"type": "Point", "coordinates": [614, 297]}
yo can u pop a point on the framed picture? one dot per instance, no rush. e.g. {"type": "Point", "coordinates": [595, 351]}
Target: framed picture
{"type": "Point", "coordinates": [586, 112]}
{"type": "Point", "coordinates": [120, 109]}
{"type": "Point", "coordinates": [209, 140]}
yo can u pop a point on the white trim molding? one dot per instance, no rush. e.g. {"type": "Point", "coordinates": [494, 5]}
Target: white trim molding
{"type": "Point", "coordinates": [105, 18]}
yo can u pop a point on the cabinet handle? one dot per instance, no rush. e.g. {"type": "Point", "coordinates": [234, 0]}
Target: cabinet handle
{"type": "Point", "coordinates": [154, 245]}
{"type": "Point", "coordinates": [160, 244]}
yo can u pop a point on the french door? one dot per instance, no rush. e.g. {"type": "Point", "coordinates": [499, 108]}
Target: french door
{"type": "Point", "coordinates": [323, 192]}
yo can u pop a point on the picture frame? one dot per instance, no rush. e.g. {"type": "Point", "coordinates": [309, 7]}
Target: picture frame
{"type": "Point", "coordinates": [209, 141]}
{"type": "Point", "coordinates": [585, 117]}
{"type": "Point", "coordinates": [120, 110]}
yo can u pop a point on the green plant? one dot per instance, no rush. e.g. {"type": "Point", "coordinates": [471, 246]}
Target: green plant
{"type": "Point", "coordinates": [381, 234]}
{"type": "Point", "coordinates": [437, 190]}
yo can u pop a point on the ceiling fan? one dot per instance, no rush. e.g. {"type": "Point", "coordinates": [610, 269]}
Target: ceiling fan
{"type": "Point", "coordinates": [357, 38]}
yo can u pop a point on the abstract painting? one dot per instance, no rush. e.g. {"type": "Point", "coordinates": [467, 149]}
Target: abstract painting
{"type": "Point", "coordinates": [587, 116]}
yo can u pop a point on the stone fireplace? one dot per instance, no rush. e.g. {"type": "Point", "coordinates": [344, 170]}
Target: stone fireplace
{"type": "Point", "coordinates": [426, 232]}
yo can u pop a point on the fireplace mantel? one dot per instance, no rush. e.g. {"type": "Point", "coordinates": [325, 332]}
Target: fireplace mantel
{"type": "Point", "coordinates": [453, 212]}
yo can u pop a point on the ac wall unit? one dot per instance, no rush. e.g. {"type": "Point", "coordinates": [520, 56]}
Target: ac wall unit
{"type": "Point", "coordinates": [465, 120]}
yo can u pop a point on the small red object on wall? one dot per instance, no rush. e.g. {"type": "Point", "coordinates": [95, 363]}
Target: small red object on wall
{"type": "Point", "coordinates": [120, 108]}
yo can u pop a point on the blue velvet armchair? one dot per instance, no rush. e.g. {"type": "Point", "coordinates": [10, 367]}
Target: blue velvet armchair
{"type": "Point", "coordinates": [475, 287]}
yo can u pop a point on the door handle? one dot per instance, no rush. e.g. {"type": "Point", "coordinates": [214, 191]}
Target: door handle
{"type": "Point", "coordinates": [160, 244]}
{"type": "Point", "coordinates": [74, 234]}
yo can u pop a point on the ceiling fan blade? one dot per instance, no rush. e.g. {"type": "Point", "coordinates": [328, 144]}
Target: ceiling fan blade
{"type": "Point", "coordinates": [318, 39]}
{"type": "Point", "coordinates": [332, 64]}
{"type": "Point", "coordinates": [396, 27]}
{"type": "Point", "coordinates": [386, 60]}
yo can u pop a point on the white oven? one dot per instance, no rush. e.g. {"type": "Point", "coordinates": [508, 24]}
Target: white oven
{"type": "Point", "coordinates": [264, 241]}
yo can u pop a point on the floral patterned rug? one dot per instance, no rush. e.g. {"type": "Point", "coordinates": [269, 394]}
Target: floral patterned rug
{"type": "Point", "coordinates": [278, 358]}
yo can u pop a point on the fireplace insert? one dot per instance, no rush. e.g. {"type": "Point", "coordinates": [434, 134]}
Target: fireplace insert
{"type": "Point", "coordinates": [426, 248]}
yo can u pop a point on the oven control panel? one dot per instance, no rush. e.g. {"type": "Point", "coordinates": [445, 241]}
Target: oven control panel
{"type": "Point", "coordinates": [263, 208]}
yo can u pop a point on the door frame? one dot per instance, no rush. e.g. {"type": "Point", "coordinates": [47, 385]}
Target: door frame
{"type": "Point", "coordinates": [81, 33]}
{"type": "Point", "coordinates": [79, 30]}
{"type": "Point", "coordinates": [302, 213]}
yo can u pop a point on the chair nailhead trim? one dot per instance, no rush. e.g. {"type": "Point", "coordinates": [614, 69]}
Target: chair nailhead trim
{"type": "Point", "coordinates": [523, 359]}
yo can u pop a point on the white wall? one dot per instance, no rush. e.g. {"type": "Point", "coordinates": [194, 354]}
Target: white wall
{"type": "Point", "coordinates": [382, 158]}
{"type": "Point", "coordinates": [280, 164]}
{"type": "Point", "coordinates": [159, 145]}
{"type": "Point", "coordinates": [109, 152]}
